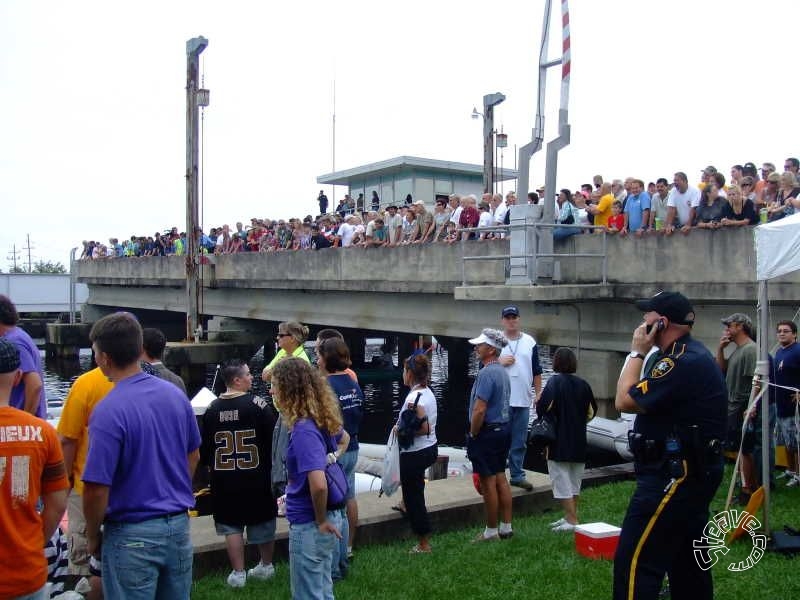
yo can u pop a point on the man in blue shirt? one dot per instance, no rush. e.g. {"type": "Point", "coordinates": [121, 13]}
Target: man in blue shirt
{"type": "Point", "coordinates": [786, 373]}
{"type": "Point", "coordinates": [637, 209]}
{"type": "Point", "coordinates": [489, 434]}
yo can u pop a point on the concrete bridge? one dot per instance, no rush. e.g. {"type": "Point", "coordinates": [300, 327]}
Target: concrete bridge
{"type": "Point", "coordinates": [421, 290]}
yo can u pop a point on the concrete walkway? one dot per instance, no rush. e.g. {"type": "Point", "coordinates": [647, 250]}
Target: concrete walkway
{"type": "Point", "coordinates": [452, 504]}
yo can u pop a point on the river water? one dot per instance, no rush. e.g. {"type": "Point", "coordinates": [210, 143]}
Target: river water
{"type": "Point", "coordinates": [382, 399]}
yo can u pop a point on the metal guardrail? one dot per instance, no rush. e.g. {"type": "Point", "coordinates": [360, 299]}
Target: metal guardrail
{"type": "Point", "coordinates": [507, 229]}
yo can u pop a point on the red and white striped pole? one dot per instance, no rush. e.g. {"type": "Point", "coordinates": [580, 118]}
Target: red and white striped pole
{"type": "Point", "coordinates": [566, 58]}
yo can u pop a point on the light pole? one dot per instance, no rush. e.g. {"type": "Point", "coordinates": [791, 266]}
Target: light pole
{"type": "Point", "coordinates": [489, 102]}
{"type": "Point", "coordinates": [195, 98]}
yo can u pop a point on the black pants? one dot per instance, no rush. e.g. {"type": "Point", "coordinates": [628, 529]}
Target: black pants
{"type": "Point", "coordinates": [657, 536]}
{"type": "Point", "coordinates": [412, 480]}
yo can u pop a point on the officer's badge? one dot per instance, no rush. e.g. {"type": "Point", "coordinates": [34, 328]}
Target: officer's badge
{"type": "Point", "coordinates": [662, 367]}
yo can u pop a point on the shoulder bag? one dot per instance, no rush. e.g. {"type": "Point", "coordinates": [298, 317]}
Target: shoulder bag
{"type": "Point", "coordinates": [543, 429]}
{"type": "Point", "coordinates": [335, 477]}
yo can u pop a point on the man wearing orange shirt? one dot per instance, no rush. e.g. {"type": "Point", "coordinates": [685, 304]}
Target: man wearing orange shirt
{"type": "Point", "coordinates": [31, 466]}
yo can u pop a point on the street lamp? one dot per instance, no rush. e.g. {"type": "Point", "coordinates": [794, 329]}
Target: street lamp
{"type": "Point", "coordinates": [489, 102]}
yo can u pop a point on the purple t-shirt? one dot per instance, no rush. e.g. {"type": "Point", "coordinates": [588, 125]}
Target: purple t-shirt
{"type": "Point", "coordinates": [29, 361]}
{"type": "Point", "coordinates": [307, 451]}
{"type": "Point", "coordinates": [139, 439]}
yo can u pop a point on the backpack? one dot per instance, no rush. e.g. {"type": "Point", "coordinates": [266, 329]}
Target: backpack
{"type": "Point", "coordinates": [409, 425]}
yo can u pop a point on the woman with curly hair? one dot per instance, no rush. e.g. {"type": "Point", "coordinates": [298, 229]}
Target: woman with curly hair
{"type": "Point", "coordinates": [311, 411]}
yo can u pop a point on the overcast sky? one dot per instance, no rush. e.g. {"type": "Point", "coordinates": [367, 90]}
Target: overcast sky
{"type": "Point", "coordinates": [92, 122]}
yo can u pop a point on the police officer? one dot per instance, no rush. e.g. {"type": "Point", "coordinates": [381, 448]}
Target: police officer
{"type": "Point", "coordinates": [676, 441]}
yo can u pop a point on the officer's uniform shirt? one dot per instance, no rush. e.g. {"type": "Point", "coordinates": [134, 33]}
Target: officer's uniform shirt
{"type": "Point", "coordinates": [684, 387]}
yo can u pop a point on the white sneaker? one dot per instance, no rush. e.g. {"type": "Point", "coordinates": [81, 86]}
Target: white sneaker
{"type": "Point", "coordinates": [559, 522]}
{"type": "Point", "coordinates": [565, 526]}
{"type": "Point", "coordinates": [785, 474]}
{"type": "Point", "coordinates": [795, 480]}
{"type": "Point", "coordinates": [262, 571]}
{"type": "Point", "coordinates": [237, 579]}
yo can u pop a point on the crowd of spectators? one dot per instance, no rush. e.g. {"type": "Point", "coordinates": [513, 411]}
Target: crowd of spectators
{"type": "Point", "coordinates": [618, 207]}
{"type": "Point", "coordinates": [630, 207]}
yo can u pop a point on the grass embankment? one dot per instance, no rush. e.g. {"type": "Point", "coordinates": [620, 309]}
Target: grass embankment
{"type": "Point", "coordinates": [535, 563]}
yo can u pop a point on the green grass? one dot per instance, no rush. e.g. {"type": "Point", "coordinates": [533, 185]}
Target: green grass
{"type": "Point", "coordinates": [535, 563]}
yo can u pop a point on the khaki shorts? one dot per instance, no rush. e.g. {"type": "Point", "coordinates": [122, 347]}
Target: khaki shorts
{"type": "Point", "coordinates": [566, 478]}
{"type": "Point", "coordinates": [78, 545]}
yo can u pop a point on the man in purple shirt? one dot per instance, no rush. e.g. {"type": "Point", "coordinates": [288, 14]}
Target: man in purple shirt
{"type": "Point", "coordinates": [143, 450]}
{"type": "Point", "coordinates": [29, 394]}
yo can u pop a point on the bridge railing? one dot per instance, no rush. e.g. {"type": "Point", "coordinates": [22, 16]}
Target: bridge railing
{"type": "Point", "coordinates": [531, 239]}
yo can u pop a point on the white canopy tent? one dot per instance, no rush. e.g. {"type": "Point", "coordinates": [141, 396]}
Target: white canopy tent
{"type": "Point", "coordinates": [777, 248]}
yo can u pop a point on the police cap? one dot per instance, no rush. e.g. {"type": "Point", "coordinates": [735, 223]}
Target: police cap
{"type": "Point", "coordinates": [673, 305]}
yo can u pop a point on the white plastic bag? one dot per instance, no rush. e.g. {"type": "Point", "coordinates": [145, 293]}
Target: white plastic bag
{"type": "Point", "coordinates": [391, 466]}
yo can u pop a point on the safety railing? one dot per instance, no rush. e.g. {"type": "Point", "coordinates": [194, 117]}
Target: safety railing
{"type": "Point", "coordinates": [534, 255]}
{"type": "Point", "coordinates": [504, 229]}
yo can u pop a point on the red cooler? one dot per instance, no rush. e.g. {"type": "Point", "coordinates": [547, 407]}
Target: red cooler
{"type": "Point", "coordinates": [597, 540]}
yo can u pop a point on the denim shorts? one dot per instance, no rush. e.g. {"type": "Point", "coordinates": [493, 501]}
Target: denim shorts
{"type": "Point", "coordinates": [260, 533]}
{"type": "Point", "coordinates": [348, 461]}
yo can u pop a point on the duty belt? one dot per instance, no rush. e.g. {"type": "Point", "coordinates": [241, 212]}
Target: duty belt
{"type": "Point", "coordinates": [653, 452]}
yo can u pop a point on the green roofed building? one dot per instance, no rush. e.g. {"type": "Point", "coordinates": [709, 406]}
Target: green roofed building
{"type": "Point", "coordinates": [424, 178]}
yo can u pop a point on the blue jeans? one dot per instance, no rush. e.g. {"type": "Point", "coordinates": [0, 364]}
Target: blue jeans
{"type": "Point", "coordinates": [146, 560]}
{"type": "Point", "coordinates": [310, 556]}
{"type": "Point", "coordinates": [339, 562]}
{"type": "Point", "coordinates": [562, 233]}
{"type": "Point", "coordinates": [520, 416]}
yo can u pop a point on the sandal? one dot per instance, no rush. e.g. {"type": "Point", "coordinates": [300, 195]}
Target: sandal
{"type": "Point", "coordinates": [417, 549]}
{"type": "Point", "coordinates": [400, 509]}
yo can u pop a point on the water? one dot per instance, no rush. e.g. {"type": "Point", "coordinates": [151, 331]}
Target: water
{"type": "Point", "coordinates": [382, 399]}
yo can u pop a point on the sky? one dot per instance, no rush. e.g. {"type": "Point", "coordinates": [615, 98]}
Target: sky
{"type": "Point", "coordinates": [92, 100]}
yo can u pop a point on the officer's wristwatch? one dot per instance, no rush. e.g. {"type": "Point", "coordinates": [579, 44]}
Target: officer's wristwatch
{"type": "Point", "coordinates": [635, 354]}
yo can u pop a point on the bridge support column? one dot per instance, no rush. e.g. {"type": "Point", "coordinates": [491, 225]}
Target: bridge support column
{"type": "Point", "coordinates": [522, 269]}
{"type": "Point", "coordinates": [65, 341]}
{"type": "Point", "coordinates": [601, 368]}
{"type": "Point", "coordinates": [356, 342]}
{"type": "Point", "coordinates": [459, 351]}
{"type": "Point", "coordinates": [270, 343]}
{"type": "Point", "coordinates": [192, 360]}
{"type": "Point", "coordinates": [406, 344]}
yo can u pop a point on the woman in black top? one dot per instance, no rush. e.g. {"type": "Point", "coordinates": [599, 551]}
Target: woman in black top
{"type": "Point", "coordinates": [569, 402]}
{"type": "Point", "coordinates": [709, 211]}
{"type": "Point", "coordinates": [739, 211]}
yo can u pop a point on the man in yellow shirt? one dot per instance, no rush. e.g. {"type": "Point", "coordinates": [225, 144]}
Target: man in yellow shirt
{"type": "Point", "coordinates": [73, 429]}
{"type": "Point", "coordinates": [602, 210]}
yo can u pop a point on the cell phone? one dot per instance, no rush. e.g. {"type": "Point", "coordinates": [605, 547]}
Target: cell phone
{"type": "Point", "coordinates": [660, 325]}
